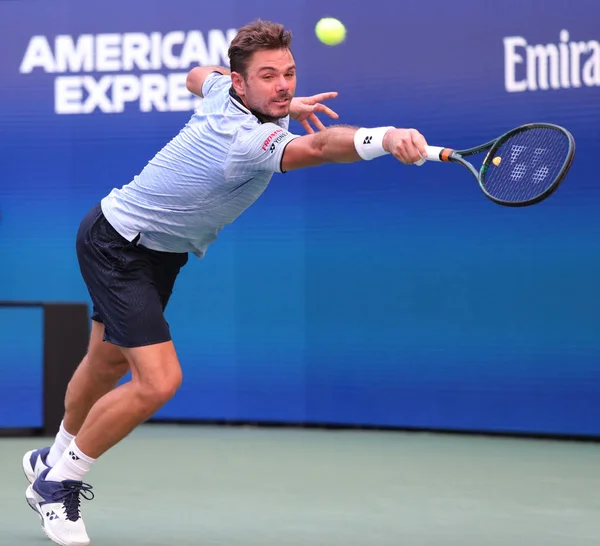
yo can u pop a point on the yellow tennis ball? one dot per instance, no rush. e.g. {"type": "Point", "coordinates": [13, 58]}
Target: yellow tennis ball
{"type": "Point", "coordinates": [496, 161]}
{"type": "Point", "coordinates": [330, 31]}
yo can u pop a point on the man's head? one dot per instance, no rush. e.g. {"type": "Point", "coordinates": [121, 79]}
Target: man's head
{"type": "Point", "coordinates": [263, 72]}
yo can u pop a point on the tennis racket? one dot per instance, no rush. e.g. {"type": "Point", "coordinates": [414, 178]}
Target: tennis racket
{"type": "Point", "coordinates": [522, 167]}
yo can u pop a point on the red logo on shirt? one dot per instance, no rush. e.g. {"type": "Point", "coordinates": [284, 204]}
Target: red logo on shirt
{"type": "Point", "coordinates": [270, 137]}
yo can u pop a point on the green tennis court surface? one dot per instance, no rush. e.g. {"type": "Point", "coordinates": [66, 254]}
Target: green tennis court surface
{"type": "Point", "coordinates": [192, 485]}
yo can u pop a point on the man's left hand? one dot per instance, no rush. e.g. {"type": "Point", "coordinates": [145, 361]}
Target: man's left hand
{"type": "Point", "coordinates": [303, 109]}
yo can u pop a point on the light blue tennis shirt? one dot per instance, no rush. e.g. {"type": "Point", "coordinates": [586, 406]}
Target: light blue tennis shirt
{"type": "Point", "coordinates": [204, 178]}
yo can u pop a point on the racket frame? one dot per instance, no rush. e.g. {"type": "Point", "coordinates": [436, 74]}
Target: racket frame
{"type": "Point", "coordinates": [451, 155]}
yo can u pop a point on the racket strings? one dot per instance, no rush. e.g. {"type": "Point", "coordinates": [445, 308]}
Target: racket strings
{"type": "Point", "coordinates": [527, 164]}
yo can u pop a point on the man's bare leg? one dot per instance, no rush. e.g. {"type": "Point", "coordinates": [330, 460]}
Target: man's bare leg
{"type": "Point", "coordinates": [56, 499]}
{"type": "Point", "coordinates": [99, 372]}
{"type": "Point", "coordinates": [156, 376]}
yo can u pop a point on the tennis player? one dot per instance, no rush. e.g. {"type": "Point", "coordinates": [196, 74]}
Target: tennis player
{"type": "Point", "coordinates": [132, 245]}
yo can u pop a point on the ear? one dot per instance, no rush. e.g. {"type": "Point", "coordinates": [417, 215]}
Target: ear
{"type": "Point", "coordinates": [239, 85]}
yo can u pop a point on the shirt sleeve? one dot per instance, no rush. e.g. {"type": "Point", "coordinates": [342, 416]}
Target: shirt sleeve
{"type": "Point", "coordinates": [210, 81]}
{"type": "Point", "coordinates": [258, 147]}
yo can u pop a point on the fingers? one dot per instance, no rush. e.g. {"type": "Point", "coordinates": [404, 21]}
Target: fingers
{"type": "Point", "coordinates": [420, 143]}
{"type": "Point", "coordinates": [307, 126]}
{"type": "Point", "coordinates": [308, 117]}
{"type": "Point", "coordinates": [323, 96]}
{"type": "Point", "coordinates": [306, 108]}
{"type": "Point", "coordinates": [325, 110]}
{"type": "Point", "coordinates": [408, 145]}
{"type": "Point", "coordinates": [316, 122]}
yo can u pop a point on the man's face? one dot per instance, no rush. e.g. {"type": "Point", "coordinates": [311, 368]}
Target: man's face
{"type": "Point", "coordinates": [270, 83]}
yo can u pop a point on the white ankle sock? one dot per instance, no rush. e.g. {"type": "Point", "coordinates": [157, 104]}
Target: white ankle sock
{"type": "Point", "coordinates": [61, 443]}
{"type": "Point", "coordinates": [73, 465]}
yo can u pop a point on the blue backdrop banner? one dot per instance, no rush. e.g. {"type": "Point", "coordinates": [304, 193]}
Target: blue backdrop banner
{"type": "Point", "coordinates": [373, 293]}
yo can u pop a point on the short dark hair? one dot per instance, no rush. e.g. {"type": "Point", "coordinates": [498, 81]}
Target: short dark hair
{"type": "Point", "coordinates": [254, 37]}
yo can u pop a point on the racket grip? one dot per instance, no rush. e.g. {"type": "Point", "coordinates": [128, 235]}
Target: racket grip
{"type": "Point", "coordinates": [433, 154]}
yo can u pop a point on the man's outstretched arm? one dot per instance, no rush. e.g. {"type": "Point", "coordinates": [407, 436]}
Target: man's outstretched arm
{"type": "Point", "coordinates": [344, 144]}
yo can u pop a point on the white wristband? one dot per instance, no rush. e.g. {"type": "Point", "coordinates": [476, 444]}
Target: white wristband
{"type": "Point", "coordinates": [369, 142]}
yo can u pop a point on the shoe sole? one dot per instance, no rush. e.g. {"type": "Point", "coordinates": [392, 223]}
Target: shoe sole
{"type": "Point", "coordinates": [35, 506]}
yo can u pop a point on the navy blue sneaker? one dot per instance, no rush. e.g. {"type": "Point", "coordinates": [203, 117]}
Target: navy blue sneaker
{"type": "Point", "coordinates": [34, 463]}
{"type": "Point", "coordinates": [57, 504]}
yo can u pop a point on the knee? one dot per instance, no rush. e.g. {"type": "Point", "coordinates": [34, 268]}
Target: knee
{"type": "Point", "coordinates": [157, 391]}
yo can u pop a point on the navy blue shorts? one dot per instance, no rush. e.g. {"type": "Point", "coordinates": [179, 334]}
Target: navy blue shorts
{"type": "Point", "coordinates": [130, 285]}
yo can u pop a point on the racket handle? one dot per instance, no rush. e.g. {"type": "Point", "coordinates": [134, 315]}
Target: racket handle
{"type": "Point", "coordinates": [433, 154]}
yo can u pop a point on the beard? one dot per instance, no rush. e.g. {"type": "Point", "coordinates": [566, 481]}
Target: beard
{"type": "Point", "coordinates": [268, 115]}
